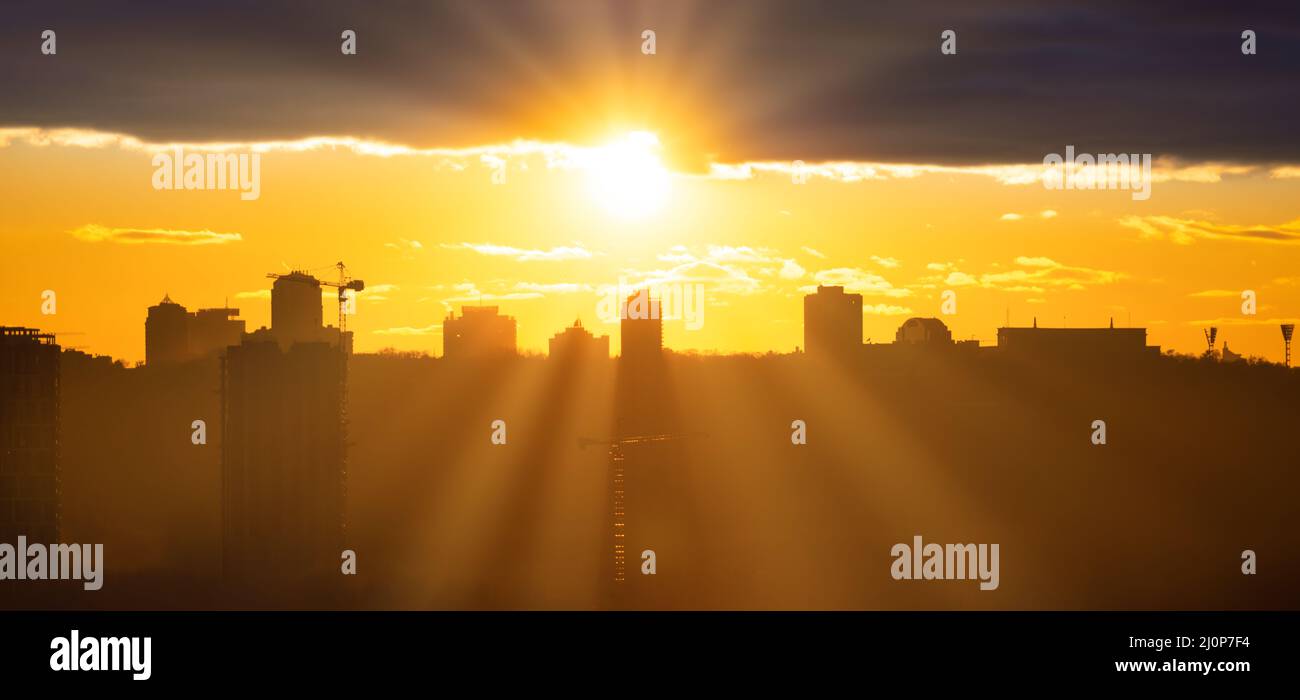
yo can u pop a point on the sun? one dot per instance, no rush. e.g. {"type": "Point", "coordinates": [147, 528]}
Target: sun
{"type": "Point", "coordinates": [627, 177]}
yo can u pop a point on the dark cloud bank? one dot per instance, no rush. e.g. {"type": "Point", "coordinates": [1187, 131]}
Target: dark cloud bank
{"type": "Point", "coordinates": [775, 80]}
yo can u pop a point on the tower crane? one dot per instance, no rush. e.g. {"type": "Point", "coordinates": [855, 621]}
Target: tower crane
{"type": "Point", "coordinates": [617, 483]}
{"type": "Point", "coordinates": [344, 284]}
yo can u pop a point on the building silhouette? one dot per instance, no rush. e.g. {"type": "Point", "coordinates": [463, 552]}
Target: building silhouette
{"type": "Point", "coordinates": [576, 342]}
{"type": "Point", "coordinates": [284, 439]}
{"type": "Point", "coordinates": [214, 330]}
{"type": "Point", "coordinates": [296, 315]}
{"type": "Point", "coordinates": [166, 333]}
{"type": "Point", "coordinates": [923, 331]}
{"type": "Point", "coordinates": [29, 435]}
{"type": "Point", "coordinates": [832, 322]}
{"type": "Point", "coordinates": [172, 334]}
{"type": "Point", "coordinates": [1074, 343]}
{"type": "Point", "coordinates": [641, 328]}
{"type": "Point", "coordinates": [283, 458]}
{"type": "Point", "coordinates": [480, 332]}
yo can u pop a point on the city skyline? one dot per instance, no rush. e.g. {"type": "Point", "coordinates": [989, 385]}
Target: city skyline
{"type": "Point", "coordinates": [831, 327]}
{"type": "Point", "coordinates": [295, 458]}
{"type": "Point", "coordinates": [325, 326]}
{"type": "Point", "coordinates": [752, 308]}
{"type": "Point", "coordinates": [584, 155]}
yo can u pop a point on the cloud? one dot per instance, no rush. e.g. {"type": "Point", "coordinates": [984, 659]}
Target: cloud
{"type": "Point", "coordinates": [717, 277]}
{"type": "Point", "coordinates": [93, 233]}
{"type": "Point", "coordinates": [959, 279]}
{"type": "Point", "coordinates": [409, 330]}
{"type": "Point", "coordinates": [1031, 275]}
{"type": "Point", "coordinates": [490, 296]}
{"type": "Point", "coordinates": [372, 293]}
{"type": "Point", "coordinates": [404, 244]}
{"type": "Point", "coordinates": [676, 254]}
{"type": "Point", "coordinates": [1044, 273]}
{"type": "Point", "coordinates": [890, 263]}
{"type": "Point", "coordinates": [721, 253]}
{"type": "Point", "coordinates": [1170, 170]}
{"type": "Point", "coordinates": [492, 156]}
{"type": "Point", "coordinates": [791, 270]}
{"type": "Point", "coordinates": [257, 294]}
{"type": "Point", "coordinates": [866, 171]}
{"type": "Point", "coordinates": [814, 252]}
{"type": "Point", "coordinates": [725, 269]}
{"type": "Point", "coordinates": [1036, 262]}
{"type": "Point", "coordinates": [500, 290]}
{"type": "Point", "coordinates": [1019, 174]}
{"type": "Point", "coordinates": [879, 90]}
{"type": "Point", "coordinates": [1187, 231]}
{"type": "Point", "coordinates": [857, 281]}
{"type": "Point", "coordinates": [553, 287]}
{"type": "Point", "coordinates": [1212, 293]}
{"type": "Point", "coordinates": [559, 155]}
{"type": "Point", "coordinates": [1048, 213]}
{"type": "Point", "coordinates": [885, 310]}
{"type": "Point", "coordinates": [524, 254]}
{"type": "Point", "coordinates": [1011, 217]}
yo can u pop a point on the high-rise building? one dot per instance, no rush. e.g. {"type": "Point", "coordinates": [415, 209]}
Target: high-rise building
{"type": "Point", "coordinates": [578, 343]}
{"type": "Point", "coordinates": [480, 332]}
{"type": "Point", "coordinates": [832, 322]}
{"type": "Point", "coordinates": [172, 334]}
{"type": "Point", "coordinates": [641, 328]}
{"type": "Point", "coordinates": [283, 459]}
{"type": "Point", "coordinates": [296, 315]}
{"type": "Point", "coordinates": [166, 333]}
{"type": "Point", "coordinates": [29, 435]}
{"type": "Point", "coordinates": [214, 330]}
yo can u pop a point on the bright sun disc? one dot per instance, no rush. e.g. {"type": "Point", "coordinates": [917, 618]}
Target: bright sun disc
{"type": "Point", "coordinates": [627, 177]}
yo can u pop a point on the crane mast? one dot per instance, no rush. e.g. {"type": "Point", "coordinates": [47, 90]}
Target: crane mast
{"type": "Point", "coordinates": [618, 491]}
{"type": "Point", "coordinates": [343, 285]}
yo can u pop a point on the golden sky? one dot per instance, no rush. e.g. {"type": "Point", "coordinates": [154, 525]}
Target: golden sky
{"type": "Point", "coordinates": [540, 228]}
{"type": "Point", "coordinates": [530, 153]}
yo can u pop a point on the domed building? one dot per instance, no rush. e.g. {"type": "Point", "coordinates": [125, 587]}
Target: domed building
{"type": "Point", "coordinates": [923, 331]}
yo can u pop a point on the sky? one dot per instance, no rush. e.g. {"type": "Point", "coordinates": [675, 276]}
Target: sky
{"type": "Point", "coordinates": [531, 154]}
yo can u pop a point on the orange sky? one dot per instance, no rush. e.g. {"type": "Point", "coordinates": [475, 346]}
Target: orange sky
{"type": "Point", "coordinates": [430, 230]}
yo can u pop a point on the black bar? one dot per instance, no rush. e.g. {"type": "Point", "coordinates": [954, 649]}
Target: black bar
{"type": "Point", "coordinates": [323, 648]}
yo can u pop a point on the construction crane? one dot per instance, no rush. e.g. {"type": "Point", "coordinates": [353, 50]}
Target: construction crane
{"type": "Point", "coordinates": [344, 284]}
{"type": "Point", "coordinates": [617, 483]}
